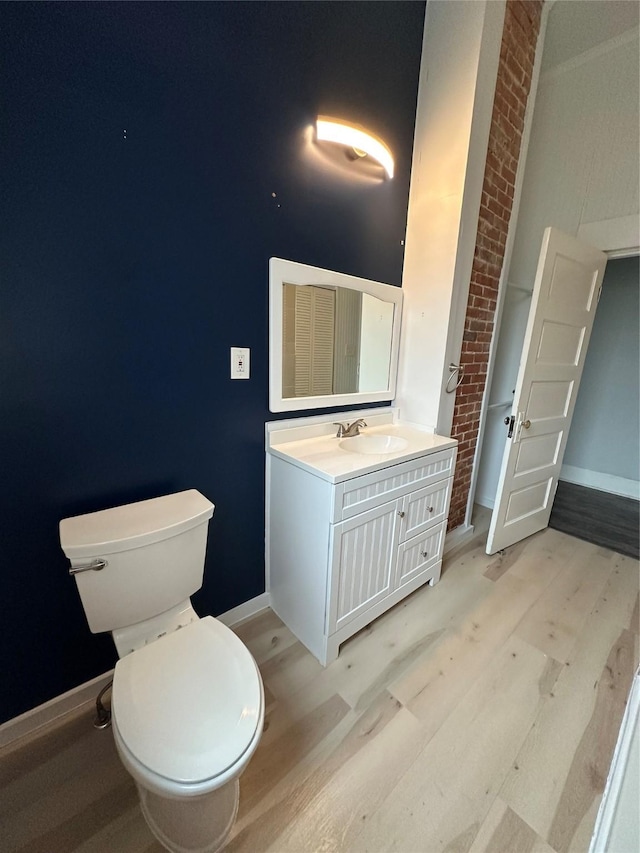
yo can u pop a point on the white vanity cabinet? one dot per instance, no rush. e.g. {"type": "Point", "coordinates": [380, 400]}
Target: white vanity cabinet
{"type": "Point", "coordinates": [341, 553]}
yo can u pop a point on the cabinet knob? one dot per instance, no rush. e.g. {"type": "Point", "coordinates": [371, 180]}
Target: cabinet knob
{"type": "Point", "coordinates": [401, 514]}
{"type": "Point", "coordinates": [425, 553]}
{"type": "Point", "coordinates": [430, 509]}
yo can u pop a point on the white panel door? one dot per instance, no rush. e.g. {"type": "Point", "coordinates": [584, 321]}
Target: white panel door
{"type": "Point", "coordinates": [565, 297]}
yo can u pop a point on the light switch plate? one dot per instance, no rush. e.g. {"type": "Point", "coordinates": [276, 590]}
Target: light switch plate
{"type": "Point", "coordinates": [240, 362]}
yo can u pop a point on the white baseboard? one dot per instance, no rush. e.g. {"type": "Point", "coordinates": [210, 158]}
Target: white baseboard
{"type": "Point", "coordinates": [458, 536]}
{"type": "Point", "coordinates": [485, 501]}
{"type": "Point", "coordinates": [245, 611]}
{"type": "Point", "coordinates": [47, 713]}
{"type": "Point", "coordinates": [602, 482]}
{"type": "Point", "coordinates": [85, 694]}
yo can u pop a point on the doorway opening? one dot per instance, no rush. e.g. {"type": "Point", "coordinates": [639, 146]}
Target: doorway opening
{"type": "Point", "coordinates": [581, 176]}
{"type": "Point", "coordinates": [601, 467]}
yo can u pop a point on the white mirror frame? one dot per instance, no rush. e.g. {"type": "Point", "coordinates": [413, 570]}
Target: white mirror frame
{"type": "Point", "coordinates": [289, 272]}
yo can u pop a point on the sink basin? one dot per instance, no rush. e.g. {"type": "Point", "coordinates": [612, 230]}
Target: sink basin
{"type": "Point", "coordinates": [374, 443]}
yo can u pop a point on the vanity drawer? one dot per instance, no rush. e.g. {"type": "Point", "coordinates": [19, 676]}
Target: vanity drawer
{"type": "Point", "coordinates": [424, 508]}
{"type": "Point", "coordinates": [362, 493]}
{"type": "Point", "coordinates": [420, 554]}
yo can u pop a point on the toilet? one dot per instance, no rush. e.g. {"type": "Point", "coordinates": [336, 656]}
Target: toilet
{"type": "Point", "coordinates": [188, 702]}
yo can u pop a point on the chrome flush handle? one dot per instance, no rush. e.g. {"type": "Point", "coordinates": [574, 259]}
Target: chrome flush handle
{"type": "Point", "coordinates": [95, 566]}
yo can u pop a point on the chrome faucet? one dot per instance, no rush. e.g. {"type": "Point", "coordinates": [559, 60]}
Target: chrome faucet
{"type": "Point", "coordinates": [349, 430]}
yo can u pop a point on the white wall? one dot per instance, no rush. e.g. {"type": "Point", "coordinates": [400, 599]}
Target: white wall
{"type": "Point", "coordinates": [582, 175]}
{"type": "Point", "coordinates": [583, 160]}
{"type": "Point", "coordinates": [604, 451]}
{"type": "Point", "coordinates": [455, 96]}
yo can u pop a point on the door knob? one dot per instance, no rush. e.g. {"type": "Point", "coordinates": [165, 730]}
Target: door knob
{"type": "Point", "coordinates": [526, 424]}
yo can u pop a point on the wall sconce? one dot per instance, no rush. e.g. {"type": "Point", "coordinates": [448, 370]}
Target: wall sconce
{"type": "Point", "coordinates": [357, 139]}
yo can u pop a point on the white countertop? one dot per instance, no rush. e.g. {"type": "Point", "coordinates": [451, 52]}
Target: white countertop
{"type": "Point", "coordinates": [323, 456]}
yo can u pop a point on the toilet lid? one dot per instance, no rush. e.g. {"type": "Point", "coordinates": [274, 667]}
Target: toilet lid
{"type": "Point", "coordinates": [187, 705]}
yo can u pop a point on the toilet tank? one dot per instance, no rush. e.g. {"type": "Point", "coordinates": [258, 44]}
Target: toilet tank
{"type": "Point", "coordinates": [154, 551]}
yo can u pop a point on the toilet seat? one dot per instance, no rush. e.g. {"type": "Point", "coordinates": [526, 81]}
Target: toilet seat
{"type": "Point", "coordinates": [188, 708]}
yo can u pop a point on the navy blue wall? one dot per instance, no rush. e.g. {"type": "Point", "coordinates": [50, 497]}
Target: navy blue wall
{"type": "Point", "coordinates": [141, 145]}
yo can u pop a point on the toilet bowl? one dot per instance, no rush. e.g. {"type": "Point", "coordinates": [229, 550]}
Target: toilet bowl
{"type": "Point", "coordinates": [187, 701]}
{"type": "Point", "coordinates": [187, 715]}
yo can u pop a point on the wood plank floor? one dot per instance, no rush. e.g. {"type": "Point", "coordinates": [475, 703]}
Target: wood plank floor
{"type": "Point", "coordinates": [479, 715]}
{"type": "Point", "coordinates": [611, 521]}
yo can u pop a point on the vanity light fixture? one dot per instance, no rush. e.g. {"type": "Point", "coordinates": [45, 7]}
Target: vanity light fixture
{"type": "Point", "coordinates": [356, 138]}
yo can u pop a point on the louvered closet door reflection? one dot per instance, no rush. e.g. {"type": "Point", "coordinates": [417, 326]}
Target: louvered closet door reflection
{"type": "Point", "coordinates": [364, 551]}
{"type": "Point", "coordinates": [314, 341]}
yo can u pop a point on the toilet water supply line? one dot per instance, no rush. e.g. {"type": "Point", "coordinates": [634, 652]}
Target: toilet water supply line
{"type": "Point", "coordinates": [103, 715]}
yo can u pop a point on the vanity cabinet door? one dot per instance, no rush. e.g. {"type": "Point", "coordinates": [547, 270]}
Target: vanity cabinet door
{"type": "Point", "coordinates": [422, 509]}
{"type": "Point", "coordinates": [363, 555]}
{"type": "Point", "coordinates": [421, 555]}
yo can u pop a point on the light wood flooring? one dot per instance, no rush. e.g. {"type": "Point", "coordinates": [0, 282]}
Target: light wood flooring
{"type": "Point", "coordinates": [477, 715]}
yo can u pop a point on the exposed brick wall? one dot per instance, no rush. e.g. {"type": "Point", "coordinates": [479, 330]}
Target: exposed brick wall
{"type": "Point", "coordinates": [517, 55]}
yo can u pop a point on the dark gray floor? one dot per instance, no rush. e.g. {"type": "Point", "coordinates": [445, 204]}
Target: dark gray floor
{"type": "Point", "coordinates": [599, 517]}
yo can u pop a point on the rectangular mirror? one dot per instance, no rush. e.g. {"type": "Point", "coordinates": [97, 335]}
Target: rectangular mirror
{"type": "Point", "coordinates": [333, 338]}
